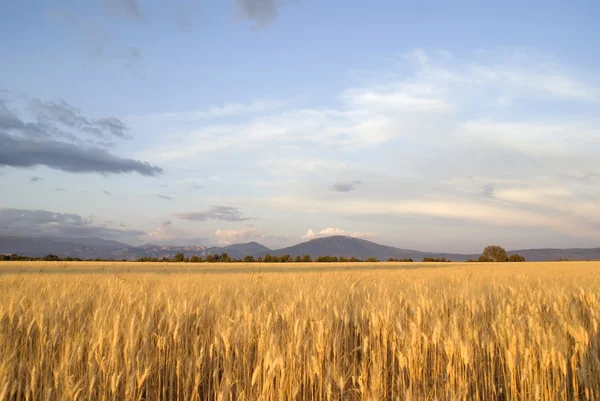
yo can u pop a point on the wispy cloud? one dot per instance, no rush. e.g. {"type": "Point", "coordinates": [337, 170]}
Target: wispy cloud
{"type": "Point", "coordinates": [331, 231]}
{"type": "Point", "coordinates": [123, 8]}
{"type": "Point", "coordinates": [440, 136]}
{"type": "Point", "coordinates": [224, 213]}
{"type": "Point", "coordinates": [35, 179]}
{"type": "Point", "coordinates": [345, 186]}
{"type": "Point", "coordinates": [46, 223]}
{"type": "Point", "coordinates": [164, 197]}
{"type": "Point", "coordinates": [227, 237]}
{"type": "Point", "coordinates": [262, 12]}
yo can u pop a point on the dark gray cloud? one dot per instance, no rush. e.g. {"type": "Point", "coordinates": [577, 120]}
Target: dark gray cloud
{"type": "Point", "coordinates": [123, 8]}
{"type": "Point", "coordinates": [262, 12]}
{"type": "Point", "coordinates": [7, 118]}
{"type": "Point", "coordinates": [45, 223]}
{"type": "Point", "coordinates": [35, 179]}
{"type": "Point", "coordinates": [57, 139]}
{"type": "Point", "coordinates": [49, 113]}
{"type": "Point", "coordinates": [225, 213]}
{"type": "Point", "coordinates": [345, 186]}
{"type": "Point", "coordinates": [488, 191]}
{"type": "Point", "coordinates": [165, 197]}
{"type": "Point", "coordinates": [187, 14]}
{"type": "Point", "coordinates": [105, 192]}
{"type": "Point", "coordinates": [196, 186]}
{"type": "Point", "coordinates": [100, 41]}
{"type": "Point", "coordinates": [27, 152]}
{"type": "Point", "coordinates": [129, 55]}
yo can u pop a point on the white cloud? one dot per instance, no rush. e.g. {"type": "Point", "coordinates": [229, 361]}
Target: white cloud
{"type": "Point", "coordinates": [165, 232]}
{"type": "Point", "coordinates": [227, 237]}
{"type": "Point", "coordinates": [226, 110]}
{"type": "Point", "coordinates": [482, 212]}
{"type": "Point", "coordinates": [428, 142]}
{"type": "Point", "coordinates": [328, 232]}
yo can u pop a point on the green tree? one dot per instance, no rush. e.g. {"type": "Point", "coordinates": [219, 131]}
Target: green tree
{"type": "Point", "coordinates": [306, 258]}
{"type": "Point", "coordinates": [225, 258]}
{"type": "Point", "coordinates": [516, 258]}
{"type": "Point", "coordinates": [371, 260]}
{"type": "Point", "coordinates": [298, 259]}
{"type": "Point", "coordinates": [285, 259]}
{"type": "Point", "coordinates": [495, 253]}
{"type": "Point", "coordinates": [248, 259]}
{"type": "Point", "coordinates": [270, 259]}
{"type": "Point", "coordinates": [196, 259]}
{"type": "Point", "coordinates": [178, 258]}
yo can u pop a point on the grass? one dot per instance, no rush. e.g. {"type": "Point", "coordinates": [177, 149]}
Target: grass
{"type": "Point", "coordinates": [386, 331]}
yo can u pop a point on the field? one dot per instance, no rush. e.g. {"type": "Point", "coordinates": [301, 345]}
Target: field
{"type": "Point", "coordinates": [384, 331]}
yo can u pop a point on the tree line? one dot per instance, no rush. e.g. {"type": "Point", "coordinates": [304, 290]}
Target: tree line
{"type": "Point", "coordinates": [491, 253]}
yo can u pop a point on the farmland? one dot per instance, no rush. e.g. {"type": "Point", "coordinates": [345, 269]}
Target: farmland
{"type": "Point", "coordinates": [380, 331]}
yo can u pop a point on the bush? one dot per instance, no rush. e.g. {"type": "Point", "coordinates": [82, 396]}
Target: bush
{"type": "Point", "coordinates": [306, 258]}
{"type": "Point", "coordinates": [516, 258]}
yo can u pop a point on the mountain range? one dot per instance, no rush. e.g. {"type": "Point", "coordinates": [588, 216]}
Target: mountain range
{"type": "Point", "coordinates": [94, 248]}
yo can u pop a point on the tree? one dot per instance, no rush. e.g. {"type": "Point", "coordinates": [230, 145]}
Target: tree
{"type": "Point", "coordinates": [306, 258]}
{"type": "Point", "coordinates": [248, 259]}
{"type": "Point", "coordinates": [516, 258]}
{"type": "Point", "coordinates": [483, 258]}
{"type": "Point", "coordinates": [270, 259]}
{"type": "Point", "coordinates": [210, 258]}
{"type": "Point", "coordinates": [371, 260]}
{"type": "Point", "coordinates": [178, 258]}
{"type": "Point", "coordinates": [298, 259]}
{"type": "Point", "coordinates": [225, 258]}
{"type": "Point", "coordinates": [51, 258]}
{"type": "Point", "coordinates": [196, 259]}
{"type": "Point", "coordinates": [285, 258]}
{"type": "Point", "coordinates": [495, 253]}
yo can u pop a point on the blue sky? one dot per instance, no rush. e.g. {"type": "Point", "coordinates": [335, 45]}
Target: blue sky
{"type": "Point", "coordinates": [424, 125]}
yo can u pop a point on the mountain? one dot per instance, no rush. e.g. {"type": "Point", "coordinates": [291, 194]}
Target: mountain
{"type": "Point", "coordinates": [93, 248]}
{"type": "Point", "coordinates": [84, 248]}
{"type": "Point", "coordinates": [359, 248]}
{"type": "Point", "coordinates": [238, 251]}
{"type": "Point", "coordinates": [555, 254]}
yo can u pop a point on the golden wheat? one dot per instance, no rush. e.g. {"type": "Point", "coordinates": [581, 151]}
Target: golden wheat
{"type": "Point", "coordinates": [185, 332]}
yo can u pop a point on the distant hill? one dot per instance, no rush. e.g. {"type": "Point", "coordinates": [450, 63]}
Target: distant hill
{"type": "Point", "coordinates": [84, 248]}
{"type": "Point", "coordinates": [359, 248]}
{"type": "Point", "coordinates": [555, 254]}
{"type": "Point", "coordinates": [93, 248]}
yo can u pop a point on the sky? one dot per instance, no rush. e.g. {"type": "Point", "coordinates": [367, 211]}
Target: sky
{"type": "Point", "coordinates": [430, 125]}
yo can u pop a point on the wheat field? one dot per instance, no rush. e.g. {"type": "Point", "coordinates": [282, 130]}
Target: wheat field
{"type": "Point", "coordinates": [126, 331]}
